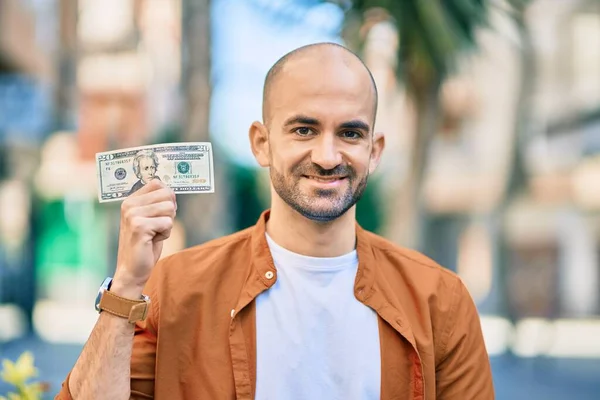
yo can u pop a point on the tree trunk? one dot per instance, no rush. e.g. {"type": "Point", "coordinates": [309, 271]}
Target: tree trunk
{"type": "Point", "coordinates": [204, 216]}
{"type": "Point", "coordinates": [66, 88]}
{"type": "Point", "coordinates": [517, 175]}
{"type": "Point", "coordinates": [412, 214]}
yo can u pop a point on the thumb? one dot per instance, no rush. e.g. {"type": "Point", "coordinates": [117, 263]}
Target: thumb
{"type": "Point", "coordinates": [157, 248]}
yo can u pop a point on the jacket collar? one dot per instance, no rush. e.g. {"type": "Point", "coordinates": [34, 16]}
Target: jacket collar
{"type": "Point", "coordinates": [373, 288]}
{"type": "Point", "coordinates": [370, 287]}
{"type": "Point", "coordinates": [263, 265]}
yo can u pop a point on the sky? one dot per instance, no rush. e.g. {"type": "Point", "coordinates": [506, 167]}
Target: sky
{"type": "Point", "coordinates": [248, 37]}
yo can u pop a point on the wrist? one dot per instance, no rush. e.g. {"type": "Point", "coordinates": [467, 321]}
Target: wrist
{"type": "Point", "coordinates": [126, 287]}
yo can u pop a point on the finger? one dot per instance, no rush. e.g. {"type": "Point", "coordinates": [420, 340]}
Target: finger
{"type": "Point", "coordinates": [162, 227]}
{"type": "Point", "coordinates": [155, 196]}
{"type": "Point", "coordinates": [154, 184]}
{"type": "Point", "coordinates": [159, 237]}
{"type": "Point", "coordinates": [163, 209]}
{"type": "Point", "coordinates": [141, 227]}
{"type": "Point", "coordinates": [174, 199]}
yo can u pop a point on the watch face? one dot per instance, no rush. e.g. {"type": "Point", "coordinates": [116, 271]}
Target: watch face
{"type": "Point", "coordinates": [105, 286]}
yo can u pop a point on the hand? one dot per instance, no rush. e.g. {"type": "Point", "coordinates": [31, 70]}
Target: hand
{"type": "Point", "coordinates": [146, 220]}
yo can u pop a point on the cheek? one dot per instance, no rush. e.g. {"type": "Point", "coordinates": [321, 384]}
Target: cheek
{"type": "Point", "coordinates": [285, 158]}
{"type": "Point", "coordinates": [359, 162]}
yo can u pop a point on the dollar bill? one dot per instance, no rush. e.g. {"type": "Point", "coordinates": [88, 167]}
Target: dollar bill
{"type": "Point", "coordinates": [184, 167]}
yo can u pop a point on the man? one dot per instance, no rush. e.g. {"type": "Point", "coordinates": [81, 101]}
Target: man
{"type": "Point", "coordinates": [304, 305]}
{"type": "Point", "coordinates": [145, 165]}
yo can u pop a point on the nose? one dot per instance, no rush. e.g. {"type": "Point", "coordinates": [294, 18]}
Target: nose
{"type": "Point", "coordinates": [325, 152]}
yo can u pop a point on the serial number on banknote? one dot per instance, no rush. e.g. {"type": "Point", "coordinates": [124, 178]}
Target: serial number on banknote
{"type": "Point", "coordinates": [184, 167]}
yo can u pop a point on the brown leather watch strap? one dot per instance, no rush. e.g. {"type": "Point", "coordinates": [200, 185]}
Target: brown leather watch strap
{"type": "Point", "coordinates": [133, 310]}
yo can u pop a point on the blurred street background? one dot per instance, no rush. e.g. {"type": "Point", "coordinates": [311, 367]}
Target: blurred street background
{"type": "Point", "coordinates": [491, 110]}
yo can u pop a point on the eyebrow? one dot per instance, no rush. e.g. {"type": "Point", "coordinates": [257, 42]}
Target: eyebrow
{"type": "Point", "coordinates": [304, 120]}
{"type": "Point", "coordinates": [356, 124]}
{"type": "Point", "coordinates": [301, 119]}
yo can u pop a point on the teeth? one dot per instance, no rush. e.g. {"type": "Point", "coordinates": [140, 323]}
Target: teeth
{"type": "Point", "coordinates": [324, 179]}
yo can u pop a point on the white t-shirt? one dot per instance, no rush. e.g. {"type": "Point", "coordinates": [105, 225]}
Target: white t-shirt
{"type": "Point", "coordinates": [315, 340]}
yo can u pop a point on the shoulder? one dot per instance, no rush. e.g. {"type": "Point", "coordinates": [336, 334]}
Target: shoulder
{"type": "Point", "coordinates": [213, 249]}
{"type": "Point", "coordinates": [417, 281]}
{"type": "Point", "coordinates": [434, 298]}
{"type": "Point", "coordinates": [408, 263]}
{"type": "Point", "coordinates": [196, 267]}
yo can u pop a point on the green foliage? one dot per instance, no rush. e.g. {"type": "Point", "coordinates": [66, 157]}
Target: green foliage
{"type": "Point", "coordinates": [246, 204]}
{"type": "Point", "coordinates": [18, 374]}
{"type": "Point", "coordinates": [369, 209]}
{"type": "Point", "coordinates": [432, 33]}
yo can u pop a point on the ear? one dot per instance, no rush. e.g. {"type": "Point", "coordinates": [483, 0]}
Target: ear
{"type": "Point", "coordinates": [376, 151]}
{"type": "Point", "coordinates": [259, 142]}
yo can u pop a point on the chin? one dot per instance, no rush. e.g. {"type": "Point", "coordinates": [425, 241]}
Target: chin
{"type": "Point", "coordinates": [326, 213]}
{"type": "Point", "coordinates": [319, 215]}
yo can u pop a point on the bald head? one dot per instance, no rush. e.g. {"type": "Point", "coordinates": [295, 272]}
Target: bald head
{"type": "Point", "coordinates": [312, 61]}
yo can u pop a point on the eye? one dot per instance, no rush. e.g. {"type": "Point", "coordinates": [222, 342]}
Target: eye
{"type": "Point", "coordinates": [351, 135]}
{"type": "Point", "coordinates": [304, 131]}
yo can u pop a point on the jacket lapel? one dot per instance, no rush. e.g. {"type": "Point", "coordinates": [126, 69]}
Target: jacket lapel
{"type": "Point", "coordinates": [401, 365]}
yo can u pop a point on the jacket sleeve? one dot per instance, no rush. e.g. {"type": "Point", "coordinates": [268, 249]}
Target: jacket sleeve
{"type": "Point", "coordinates": [143, 359]}
{"type": "Point", "coordinates": [463, 371]}
{"type": "Point", "coordinates": [143, 356]}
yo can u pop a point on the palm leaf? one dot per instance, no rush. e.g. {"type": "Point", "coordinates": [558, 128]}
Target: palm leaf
{"type": "Point", "coordinates": [432, 33]}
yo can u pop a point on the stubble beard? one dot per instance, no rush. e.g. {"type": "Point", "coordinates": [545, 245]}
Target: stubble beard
{"type": "Point", "coordinates": [290, 192]}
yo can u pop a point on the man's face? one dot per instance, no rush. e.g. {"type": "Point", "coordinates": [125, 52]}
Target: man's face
{"type": "Point", "coordinates": [320, 138]}
{"type": "Point", "coordinates": [147, 169]}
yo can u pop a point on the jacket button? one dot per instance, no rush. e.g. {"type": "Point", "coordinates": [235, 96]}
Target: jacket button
{"type": "Point", "coordinates": [269, 275]}
{"type": "Point", "coordinates": [232, 313]}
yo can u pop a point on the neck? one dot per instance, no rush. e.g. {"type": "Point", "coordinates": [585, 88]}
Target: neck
{"type": "Point", "coordinates": [294, 232]}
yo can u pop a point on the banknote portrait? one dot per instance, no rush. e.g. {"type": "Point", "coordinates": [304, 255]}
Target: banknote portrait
{"type": "Point", "coordinates": [145, 165]}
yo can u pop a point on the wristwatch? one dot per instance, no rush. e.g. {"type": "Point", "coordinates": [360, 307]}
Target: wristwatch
{"type": "Point", "coordinates": [133, 310]}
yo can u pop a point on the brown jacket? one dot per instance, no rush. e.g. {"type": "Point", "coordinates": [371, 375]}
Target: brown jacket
{"type": "Point", "coordinates": [199, 340]}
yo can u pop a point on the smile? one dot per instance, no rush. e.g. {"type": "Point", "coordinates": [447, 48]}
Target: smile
{"type": "Point", "coordinates": [326, 180]}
